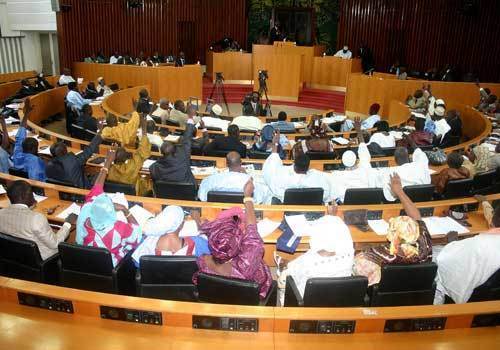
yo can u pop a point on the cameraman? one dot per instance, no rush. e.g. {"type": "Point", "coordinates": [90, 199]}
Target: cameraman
{"type": "Point", "coordinates": [252, 105]}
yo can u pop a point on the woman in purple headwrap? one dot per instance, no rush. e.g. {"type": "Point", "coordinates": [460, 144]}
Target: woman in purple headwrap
{"type": "Point", "coordinates": [237, 248]}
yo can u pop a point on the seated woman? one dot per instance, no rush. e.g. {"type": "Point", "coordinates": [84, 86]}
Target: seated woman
{"type": "Point", "coordinates": [237, 250]}
{"type": "Point", "coordinates": [455, 171]}
{"type": "Point", "coordinates": [382, 136]}
{"type": "Point", "coordinates": [319, 141]}
{"type": "Point", "coordinates": [264, 142]}
{"type": "Point", "coordinates": [330, 254]}
{"type": "Point", "coordinates": [477, 160]}
{"type": "Point", "coordinates": [410, 242]}
{"type": "Point", "coordinates": [162, 236]}
{"type": "Point", "coordinates": [99, 224]}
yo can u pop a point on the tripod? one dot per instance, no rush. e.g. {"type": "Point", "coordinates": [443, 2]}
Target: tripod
{"type": "Point", "coordinates": [218, 89]}
{"type": "Point", "coordinates": [263, 91]}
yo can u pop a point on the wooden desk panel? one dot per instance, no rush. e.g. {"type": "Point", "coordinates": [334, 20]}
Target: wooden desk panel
{"type": "Point", "coordinates": [6, 77]}
{"type": "Point", "coordinates": [235, 66]}
{"type": "Point", "coordinates": [332, 72]}
{"type": "Point", "coordinates": [285, 79]}
{"type": "Point", "coordinates": [179, 83]}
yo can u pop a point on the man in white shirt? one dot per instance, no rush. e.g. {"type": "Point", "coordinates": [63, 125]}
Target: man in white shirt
{"type": "Point", "coordinates": [74, 97]}
{"type": "Point", "coordinates": [162, 112]}
{"type": "Point", "coordinates": [368, 123]}
{"type": "Point", "coordinates": [247, 122]}
{"type": "Point", "coordinates": [66, 77]}
{"type": "Point", "coordinates": [279, 177]}
{"type": "Point", "coordinates": [382, 137]}
{"type": "Point", "coordinates": [233, 180]}
{"type": "Point", "coordinates": [344, 53]}
{"type": "Point", "coordinates": [114, 58]}
{"type": "Point", "coordinates": [101, 85]}
{"type": "Point", "coordinates": [20, 221]}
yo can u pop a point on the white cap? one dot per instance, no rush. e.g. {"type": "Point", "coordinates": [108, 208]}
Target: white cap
{"type": "Point", "coordinates": [349, 159]}
{"type": "Point", "coordinates": [217, 109]}
{"type": "Point", "coordinates": [346, 47]}
{"type": "Point", "coordinates": [439, 102]}
{"type": "Point", "coordinates": [439, 111]}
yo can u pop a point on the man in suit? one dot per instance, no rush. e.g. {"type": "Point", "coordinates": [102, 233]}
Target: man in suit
{"type": "Point", "coordinates": [253, 106]}
{"type": "Point", "coordinates": [20, 221]}
{"type": "Point", "coordinates": [180, 61]}
{"type": "Point", "coordinates": [231, 142]}
{"type": "Point", "coordinates": [26, 89]}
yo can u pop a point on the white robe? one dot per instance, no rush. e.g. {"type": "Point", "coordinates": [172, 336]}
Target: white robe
{"type": "Point", "coordinates": [341, 54]}
{"type": "Point", "coordinates": [230, 181]}
{"type": "Point", "coordinates": [383, 140]}
{"type": "Point", "coordinates": [279, 178]}
{"type": "Point", "coordinates": [466, 264]}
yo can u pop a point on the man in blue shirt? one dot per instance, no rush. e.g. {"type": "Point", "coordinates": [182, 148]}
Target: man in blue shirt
{"type": "Point", "coordinates": [25, 154]}
{"type": "Point", "coordinates": [282, 125]}
{"type": "Point", "coordinates": [74, 97]}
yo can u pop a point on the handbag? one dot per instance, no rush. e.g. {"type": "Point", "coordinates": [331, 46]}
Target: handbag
{"type": "Point", "coordinates": [436, 156]}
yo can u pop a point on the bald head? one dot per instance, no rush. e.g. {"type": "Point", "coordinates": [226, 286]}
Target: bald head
{"type": "Point", "coordinates": [233, 161]}
{"type": "Point", "coordinates": [401, 155]}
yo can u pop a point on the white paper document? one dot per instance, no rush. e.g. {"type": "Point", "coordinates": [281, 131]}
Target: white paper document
{"type": "Point", "coordinates": [44, 150]}
{"type": "Point", "coordinates": [299, 125]}
{"type": "Point", "coordinates": [13, 132]}
{"type": "Point", "coordinates": [172, 138]}
{"type": "Point", "coordinates": [11, 120]}
{"type": "Point", "coordinates": [299, 225]}
{"type": "Point", "coordinates": [442, 225]}
{"type": "Point", "coordinates": [147, 163]}
{"type": "Point", "coordinates": [39, 198]}
{"type": "Point", "coordinates": [189, 229]}
{"type": "Point", "coordinates": [118, 198]}
{"type": "Point", "coordinates": [209, 170]}
{"type": "Point", "coordinates": [380, 227]}
{"type": "Point", "coordinates": [2, 190]}
{"type": "Point", "coordinates": [266, 226]}
{"type": "Point", "coordinates": [334, 119]}
{"type": "Point", "coordinates": [72, 209]}
{"type": "Point", "coordinates": [140, 214]}
{"type": "Point", "coordinates": [340, 140]}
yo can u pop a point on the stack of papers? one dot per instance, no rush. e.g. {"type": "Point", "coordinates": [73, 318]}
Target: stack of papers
{"type": "Point", "coordinates": [380, 227]}
{"type": "Point", "coordinates": [196, 170]}
{"type": "Point", "coordinates": [442, 225]}
{"type": "Point", "coordinates": [11, 120]}
{"type": "Point", "coordinates": [334, 119]}
{"type": "Point", "coordinates": [147, 163]}
{"type": "Point", "coordinates": [265, 227]}
{"type": "Point", "coordinates": [172, 138]}
{"type": "Point", "coordinates": [140, 214]}
{"type": "Point", "coordinates": [340, 140]}
{"type": "Point", "coordinates": [299, 125]}
{"type": "Point", "coordinates": [13, 106]}
{"type": "Point", "coordinates": [72, 209]}
{"type": "Point", "coordinates": [39, 198]}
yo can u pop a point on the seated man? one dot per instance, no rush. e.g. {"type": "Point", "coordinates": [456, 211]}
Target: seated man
{"type": "Point", "coordinates": [368, 123]}
{"type": "Point", "coordinates": [419, 136]}
{"type": "Point", "coordinates": [455, 123]}
{"type": "Point", "coordinates": [70, 167]}
{"type": "Point", "coordinates": [233, 180]}
{"type": "Point", "coordinates": [494, 161]}
{"type": "Point", "coordinates": [26, 89]}
{"type": "Point", "coordinates": [382, 136]}
{"type": "Point", "coordinates": [91, 92]}
{"type": "Point", "coordinates": [154, 139]}
{"type": "Point", "coordinates": [279, 178]}
{"type": "Point", "coordinates": [123, 133]}
{"type": "Point", "coordinates": [330, 255]}
{"type": "Point", "coordinates": [19, 220]}
{"type": "Point", "coordinates": [252, 105]}
{"type": "Point", "coordinates": [345, 53]}
{"type": "Point", "coordinates": [162, 237]}
{"type": "Point", "coordinates": [42, 84]}
{"type": "Point", "coordinates": [86, 120]}
{"type": "Point", "coordinates": [231, 142]}
{"type": "Point", "coordinates": [247, 121]}
{"type": "Point", "coordinates": [236, 248]}
{"type": "Point", "coordinates": [411, 173]}
{"type": "Point", "coordinates": [466, 264]}
{"type": "Point", "coordinates": [74, 98]}
{"type": "Point", "coordinates": [144, 105]}
{"type": "Point", "coordinates": [161, 114]}
{"type": "Point", "coordinates": [282, 125]}
{"type": "Point", "coordinates": [178, 114]}
{"type": "Point", "coordinates": [417, 102]}
{"type": "Point", "coordinates": [25, 155]}
{"type": "Point", "coordinates": [175, 162]}
{"type": "Point", "coordinates": [455, 171]}
{"type": "Point", "coordinates": [102, 88]}
{"type": "Point", "coordinates": [65, 77]}
{"type": "Point", "coordinates": [113, 59]}
{"type": "Point", "coordinates": [5, 162]}
{"type": "Point", "coordinates": [126, 167]}
{"type": "Point", "coordinates": [99, 225]}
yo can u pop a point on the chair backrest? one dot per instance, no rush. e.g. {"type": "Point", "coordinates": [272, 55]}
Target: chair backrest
{"type": "Point", "coordinates": [87, 268]}
{"type": "Point", "coordinates": [321, 155]}
{"type": "Point", "coordinates": [489, 290]}
{"type": "Point", "coordinates": [335, 292]}
{"type": "Point", "coordinates": [20, 258]}
{"type": "Point", "coordinates": [355, 196]}
{"type": "Point", "coordinates": [175, 190]}
{"type": "Point", "coordinates": [388, 151]}
{"type": "Point", "coordinates": [402, 285]}
{"type": "Point", "coordinates": [304, 196]}
{"type": "Point", "coordinates": [167, 277]}
{"type": "Point", "coordinates": [225, 197]}
{"type": "Point", "coordinates": [458, 188]}
{"type": "Point", "coordinates": [112, 187]}
{"type": "Point", "coordinates": [217, 153]}
{"type": "Point", "coordinates": [222, 290]}
{"type": "Point", "coordinates": [59, 182]}
{"type": "Point", "coordinates": [18, 172]}
{"type": "Point", "coordinates": [484, 180]}
{"type": "Point", "coordinates": [258, 154]}
{"type": "Point", "coordinates": [420, 193]}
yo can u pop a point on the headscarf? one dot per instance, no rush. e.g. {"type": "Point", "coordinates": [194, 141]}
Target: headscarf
{"type": "Point", "coordinates": [101, 213]}
{"type": "Point", "coordinates": [168, 221]}
{"type": "Point", "coordinates": [225, 234]}
{"type": "Point", "coordinates": [482, 154]}
{"type": "Point", "coordinates": [403, 234]}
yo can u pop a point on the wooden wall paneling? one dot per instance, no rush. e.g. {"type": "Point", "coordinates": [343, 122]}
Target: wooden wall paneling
{"type": "Point", "coordinates": [424, 34]}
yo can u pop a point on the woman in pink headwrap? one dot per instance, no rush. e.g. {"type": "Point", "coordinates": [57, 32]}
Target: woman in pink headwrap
{"type": "Point", "coordinates": [237, 249]}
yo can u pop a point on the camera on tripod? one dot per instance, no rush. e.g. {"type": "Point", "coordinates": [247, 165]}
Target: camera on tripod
{"type": "Point", "coordinates": [219, 76]}
{"type": "Point", "coordinates": [263, 76]}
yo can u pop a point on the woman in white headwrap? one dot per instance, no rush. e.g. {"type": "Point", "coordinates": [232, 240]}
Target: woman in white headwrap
{"type": "Point", "coordinates": [162, 237]}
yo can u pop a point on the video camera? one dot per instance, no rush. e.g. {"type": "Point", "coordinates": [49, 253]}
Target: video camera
{"type": "Point", "coordinates": [219, 76]}
{"type": "Point", "coordinates": [263, 76]}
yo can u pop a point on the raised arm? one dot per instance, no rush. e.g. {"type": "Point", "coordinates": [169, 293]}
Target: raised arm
{"type": "Point", "coordinates": [248, 201]}
{"type": "Point", "coordinates": [357, 127]}
{"type": "Point", "coordinates": [103, 173]}
{"type": "Point", "coordinates": [5, 134]}
{"type": "Point", "coordinates": [409, 207]}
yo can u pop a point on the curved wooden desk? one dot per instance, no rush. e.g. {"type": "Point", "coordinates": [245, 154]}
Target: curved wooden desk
{"type": "Point", "coordinates": [6, 77]}
{"type": "Point", "coordinates": [34, 328]}
{"type": "Point", "coordinates": [11, 88]}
